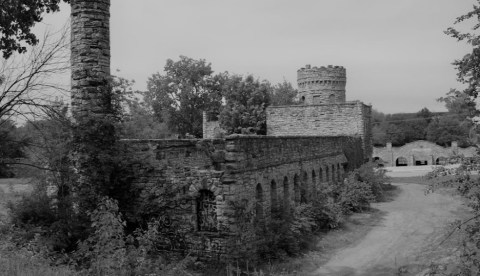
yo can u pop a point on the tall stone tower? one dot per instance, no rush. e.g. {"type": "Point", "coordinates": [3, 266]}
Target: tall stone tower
{"type": "Point", "coordinates": [92, 107]}
{"type": "Point", "coordinates": [321, 85]}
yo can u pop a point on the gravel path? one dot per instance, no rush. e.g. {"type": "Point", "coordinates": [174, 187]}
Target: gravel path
{"type": "Point", "coordinates": [406, 239]}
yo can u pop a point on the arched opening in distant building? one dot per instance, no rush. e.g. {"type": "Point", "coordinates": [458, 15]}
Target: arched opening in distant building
{"type": "Point", "coordinates": [441, 161]}
{"type": "Point", "coordinates": [421, 161]}
{"type": "Point", "coordinates": [401, 161]}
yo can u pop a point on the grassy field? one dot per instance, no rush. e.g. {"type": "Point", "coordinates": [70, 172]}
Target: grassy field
{"type": "Point", "coordinates": [15, 260]}
{"type": "Point", "coordinates": [11, 190]}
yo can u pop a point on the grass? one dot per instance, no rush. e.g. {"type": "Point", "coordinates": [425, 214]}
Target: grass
{"type": "Point", "coordinates": [15, 261]}
{"type": "Point", "coordinates": [11, 190]}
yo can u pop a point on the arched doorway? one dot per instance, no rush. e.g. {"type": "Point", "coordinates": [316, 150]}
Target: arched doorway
{"type": "Point", "coordinates": [401, 161]}
{"type": "Point", "coordinates": [441, 161]}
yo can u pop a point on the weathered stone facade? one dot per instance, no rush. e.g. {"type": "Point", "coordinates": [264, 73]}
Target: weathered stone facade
{"type": "Point", "coordinates": [262, 171]}
{"type": "Point", "coordinates": [307, 147]}
{"type": "Point", "coordinates": [207, 177]}
{"type": "Point", "coordinates": [419, 153]}
{"type": "Point", "coordinates": [350, 119]}
{"type": "Point", "coordinates": [324, 111]}
{"type": "Point", "coordinates": [90, 59]}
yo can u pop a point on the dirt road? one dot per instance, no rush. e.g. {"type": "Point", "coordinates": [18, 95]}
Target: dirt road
{"type": "Point", "coordinates": [406, 239]}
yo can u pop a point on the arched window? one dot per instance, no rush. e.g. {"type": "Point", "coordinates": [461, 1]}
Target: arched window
{"type": "Point", "coordinates": [334, 174]}
{"type": "Point", "coordinates": [286, 192]}
{"type": "Point", "coordinates": [327, 174]}
{"type": "Point", "coordinates": [259, 204]}
{"type": "Point", "coordinates": [339, 172]}
{"type": "Point", "coordinates": [304, 188]}
{"type": "Point", "coordinates": [401, 161]}
{"type": "Point", "coordinates": [441, 161]}
{"type": "Point", "coordinates": [296, 189]}
{"type": "Point", "coordinates": [314, 183]}
{"type": "Point", "coordinates": [273, 195]}
{"type": "Point", "coordinates": [320, 175]}
{"type": "Point", "coordinates": [206, 211]}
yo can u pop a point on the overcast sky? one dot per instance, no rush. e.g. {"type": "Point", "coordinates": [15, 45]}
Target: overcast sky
{"type": "Point", "coordinates": [397, 57]}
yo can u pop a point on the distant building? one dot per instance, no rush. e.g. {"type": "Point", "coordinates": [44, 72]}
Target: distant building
{"type": "Point", "coordinates": [419, 153]}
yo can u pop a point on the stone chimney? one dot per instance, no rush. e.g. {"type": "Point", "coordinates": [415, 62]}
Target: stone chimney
{"type": "Point", "coordinates": [454, 146]}
{"type": "Point", "coordinates": [389, 145]}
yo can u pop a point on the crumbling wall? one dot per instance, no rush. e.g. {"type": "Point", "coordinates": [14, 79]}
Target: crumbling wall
{"type": "Point", "coordinates": [210, 176]}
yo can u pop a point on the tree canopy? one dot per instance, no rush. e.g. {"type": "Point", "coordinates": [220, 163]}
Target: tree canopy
{"type": "Point", "coordinates": [283, 94]}
{"type": "Point", "coordinates": [246, 99]}
{"type": "Point", "coordinates": [17, 20]}
{"type": "Point", "coordinates": [401, 128]}
{"type": "Point", "coordinates": [187, 88]}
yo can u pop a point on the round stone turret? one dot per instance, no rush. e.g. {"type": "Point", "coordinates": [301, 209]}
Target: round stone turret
{"type": "Point", "coordinates": [321, 85]}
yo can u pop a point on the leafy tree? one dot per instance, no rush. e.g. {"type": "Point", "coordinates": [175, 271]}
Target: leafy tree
{"type": "Point", "coordinates": [283, 94]}
{"type": "Point", "coordinates": [186, 90]}
{"type": "Point", "coordinates": [468, 68]}
{"type": "Point", "coordinates": [379, 136]}
{"type": "Point", "coordinates": [17, 20]}
{"type": "Point", "coordinates": [425, 114]}
{"type": "Point", "coordinates": [443, 130]}
{"type": "Point", "coordinates": [460, 103]}
{"type": "Point", "coordinates": [246, 100]}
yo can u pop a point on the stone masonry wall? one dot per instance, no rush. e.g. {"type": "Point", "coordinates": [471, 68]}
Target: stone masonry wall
{"type": "Point", "coordinates": [90, 58]}
{"type": "Point", "coordinates": [322, 85]}
{"type": "Point", "coordinates": [260, 170]}
{"type": "Point", "coordinates": [347, 119]}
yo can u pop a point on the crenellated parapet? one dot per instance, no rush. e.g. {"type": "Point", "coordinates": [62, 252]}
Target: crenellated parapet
{"type": "Point", "coordinates": [321, 85]}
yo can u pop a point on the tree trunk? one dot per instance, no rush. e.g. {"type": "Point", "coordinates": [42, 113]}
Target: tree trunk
{"type": "Point", "coordinates": [92, 107]}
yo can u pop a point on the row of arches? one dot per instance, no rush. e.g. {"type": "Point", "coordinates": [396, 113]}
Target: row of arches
{"type": "Point", "coordinates": [304, 188]}
{"type": "Point", "coordinates": [403, 161]}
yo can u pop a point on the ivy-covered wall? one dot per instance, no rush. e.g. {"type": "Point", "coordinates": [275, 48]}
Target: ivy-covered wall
{"type": "Point", "coordinates": [209, 177]}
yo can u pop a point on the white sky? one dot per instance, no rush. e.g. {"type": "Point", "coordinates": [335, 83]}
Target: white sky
{"type": "Point", "coordinates": [397, 57]}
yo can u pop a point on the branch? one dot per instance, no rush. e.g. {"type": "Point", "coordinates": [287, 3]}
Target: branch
{"type": "Point", "coordinates": [459, 227]}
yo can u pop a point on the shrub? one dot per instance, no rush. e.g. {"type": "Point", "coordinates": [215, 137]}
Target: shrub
{"type": "Point", "coordinates": [355, 195]}
{"type": "Point", "coordinates": [104, 251]}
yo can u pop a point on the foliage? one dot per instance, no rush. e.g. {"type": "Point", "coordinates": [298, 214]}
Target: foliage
{"type": "Point", "coordinates": [467, 186]}
{"type": "Point", "coordinates": [105, 248]}
{"type": "Point", "coordinates": [25, 80]}
{"type": "Point", "coordinates": [283, 94]}
{"type": "Point", "coordinates": [468, 67]}
{"type": "Point", "coordinates": [12, 146]}
{"type": "Point", "coordinates": [246, 99]}
{"type": "Point", "coordinates": [186, 90]}
{"type": "Point", "coordinates": [444, 130]}
{"type": "Point", "coordinates": [17, 21]}
{"type": "Point", "coordinates": [355, 195]}
{"type": "Point", "coordinates": [15, 260]}
{"type": "Point", "coordinates": [439, 128]}
{"type": "Point", "coordinates": [290, 229]}
{"type": "Point", "coordinates": [459, 103]}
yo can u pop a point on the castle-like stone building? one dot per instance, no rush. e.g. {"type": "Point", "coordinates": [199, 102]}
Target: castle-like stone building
{"type": "Point", "coordinates": [307, 147]}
